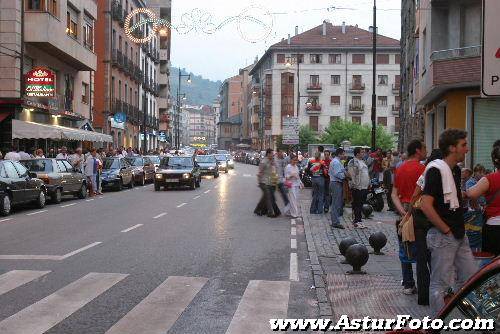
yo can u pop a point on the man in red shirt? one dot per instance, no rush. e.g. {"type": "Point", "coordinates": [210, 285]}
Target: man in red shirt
{"type": "Point", "coordinates": [405, 181]}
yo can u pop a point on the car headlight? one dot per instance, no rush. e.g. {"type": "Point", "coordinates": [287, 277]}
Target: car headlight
{"type": "Point", "coordinates": [159, 176]}
{"type": "Point", "coordinates": [186, 176]}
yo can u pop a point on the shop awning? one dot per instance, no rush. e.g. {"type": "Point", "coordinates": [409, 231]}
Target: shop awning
{"type": "Point", "coordinates": [31, 130]}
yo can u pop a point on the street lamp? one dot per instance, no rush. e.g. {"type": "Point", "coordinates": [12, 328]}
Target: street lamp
{"type": "Point", "coordinates": [177, 130]}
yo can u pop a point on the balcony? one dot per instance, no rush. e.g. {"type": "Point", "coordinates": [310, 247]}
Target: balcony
{"type": "Point", "coordinates": [395, 109]}
{"type": "Point", "coordinates": [395, 88]}
{"type": "Point", "coordinates": [357, 87]}
{"type": "Point", "coordinates": [313, 109]}
{"type": "Point", "coordinates": [117, 12]}
{"type": "Point", "coordinates": [356, 108]}
{"type": "Point", "coordinates": [450, 69]}
{"type": "Point", "coordinates": [314, 87]}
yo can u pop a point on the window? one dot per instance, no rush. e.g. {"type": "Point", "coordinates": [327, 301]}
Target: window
{"type": "Point", "coordinates": [52, 7]}
{"type": "Point", "coordinates": [397, 58]}
{"type": "Point", "coordinates": [313, 123]}
{"type": "Point", "coordinates": [35, 4]}
{"type": "Point", "coordinates": [316, 58]}
{"type": "Point", "coordinates": [382, 121]}
{"type": "Point", "coordinates": [382, 80]}
{"type": "Point", "coordinates": [356, 101]}
{"type": "Point", "coordinates": [356, 81]}
{"type": "Point", "coordinates": [85, 93]}
{"type": "Point", "coordinates": [314, 80]}
{"type": "Point", "coordinates": [335, 79]}
{"type": "Point", "coordinates": [10, 170]}
{"type": "Point", "coordinates": [334, 119]}
{"type": "Point", "coordinates": [61, 166]}
{"type": "Point", "coordinates": [280, 58]}
{"type": "Point", "coordinates": [397, 81]}
{"type": "Point", "coordinates": [335, 58]}
{"type": "Point", "coordinates": [335, 100]}
{"type": "Point", "coordinates": [88, 34]}
{"type": "Point", "coordinates": [356, 119]}
{"type": "Point", "coordinates": [382, 59]}
{"type": "Point", "coordinates": [397, 101]}
{"type": "Point", "coordinates": [382, 101]}
{"type": "Point", "coordinates": [396, 124]}
{"type": "Point", "coordinates": [358, 58]}
{"type": "Point", "coordinates": [71, 26]}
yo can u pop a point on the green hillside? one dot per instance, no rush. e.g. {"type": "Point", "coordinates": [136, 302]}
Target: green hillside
{"type": "Point", "coordinates": [199, 91]}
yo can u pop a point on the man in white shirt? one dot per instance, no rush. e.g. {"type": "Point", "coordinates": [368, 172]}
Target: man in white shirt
{"type": "Point", "coordinates": [63, 154]}
{"type": "Point", "coordinates": [360, 181]}
{"type": "Point", "coordinates": [13, 155]}
{"type": "Point", "coordinates": [77, 159]}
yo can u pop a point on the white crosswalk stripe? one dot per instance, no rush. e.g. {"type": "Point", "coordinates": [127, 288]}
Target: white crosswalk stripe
{"type": "Point", "coordinates": [15, 278]}
{"type": "Point", "coordinates": [161, 308]}
{"type": "Point", "coordinates": [48, 312]}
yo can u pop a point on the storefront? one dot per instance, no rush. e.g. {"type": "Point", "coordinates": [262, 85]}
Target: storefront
{"type": "Point", "coordinates": [485, 130]}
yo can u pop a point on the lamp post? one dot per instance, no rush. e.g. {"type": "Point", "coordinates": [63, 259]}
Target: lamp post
{"type": "Point", "coordinates": [374, 95]}
{"type": "Point", "coordinates": [177, 129]}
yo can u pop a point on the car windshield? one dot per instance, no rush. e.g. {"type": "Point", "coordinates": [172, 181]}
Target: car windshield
{"type": "Point", "coordinates": [111, 164]}
{"type": "Point", "coordinates": [154, 159]}
{"type": "Point", "coordinates": [220, 157]}
{"type": "Point", "coordinates": [177, 162]}
{"type": "Point", "coordinates": [228, 156]}
{"type": "Point", "coordinates": [39, 165]}
{"type": "Point", "coordinates": [135, 161]}
{"type": "Point", "coordinates": [205, 158]}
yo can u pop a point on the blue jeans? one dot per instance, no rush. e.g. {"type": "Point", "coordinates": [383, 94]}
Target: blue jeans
{"type": "Point", "coordinates": [337, 196]}
{"type": "Point", "coordinates": [407, 271]}
{"type": "Point", "coordinates": [318, 190]}
{"type": "Point", "coordinates": [448, 255]}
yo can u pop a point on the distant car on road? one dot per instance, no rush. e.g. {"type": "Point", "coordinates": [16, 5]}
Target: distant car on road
{"type": "Point", "coordinates": [59, 177]}
{"type": "Point", "coordinates": [143, 169]}
{"type": "Point", "coordinates": [208, 165]}
{"type": "Point", "coordinates": [19, 186]}
{"type": "Point", "coordinates": [230, 161]}
{"type": "Point", "coordinates": [223, 162]}
{"type": "Point", "coordinates": [177, 172]}
{"type": "Point", "coordinates": [117, 172]}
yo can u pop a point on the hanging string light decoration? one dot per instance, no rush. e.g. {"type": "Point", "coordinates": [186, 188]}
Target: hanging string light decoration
{"type": "Point", "coordinates": [198, 20]}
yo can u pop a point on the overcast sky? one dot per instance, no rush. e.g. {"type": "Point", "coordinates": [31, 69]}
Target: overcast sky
{"type": "Point", "coordinates": [219, 55]}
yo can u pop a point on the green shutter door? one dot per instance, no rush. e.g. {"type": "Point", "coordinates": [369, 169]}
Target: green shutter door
{"type": "Point", "coordinates": [486, 130]}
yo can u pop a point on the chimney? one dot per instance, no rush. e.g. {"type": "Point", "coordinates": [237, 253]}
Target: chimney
{"type": "Point", "coordinates": [296, 30]}
{"type": "Point", "coordinates": [343, 27]}
{"type": "Point", "coordinates": [288, 39]}
{"type": "Point", "coordinates": [324, 28]}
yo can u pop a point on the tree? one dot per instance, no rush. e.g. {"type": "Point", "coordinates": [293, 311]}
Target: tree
{"type": "Point", "coordinates": [306, 136]}
{"type": "Point", "coordinates": [357, 134]}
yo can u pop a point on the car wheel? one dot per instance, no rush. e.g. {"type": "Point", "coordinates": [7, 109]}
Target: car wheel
{"type": "Point", "coordinates": [6, 206]}
{"type": "Point", "coordinates": [216, 175]}
{"type": "Point", "coordinates": [57, 197]}
{"type": "Point", "coordinates": [40, 201]}
{"type": "Point", "coordinates": [157, 187]}
{"type": "Point", "coordinates": [82, 193]}
{"type": "Point", "coordinates": [131, 184]}
{"type": "Point", "coordinates": [119, 187]}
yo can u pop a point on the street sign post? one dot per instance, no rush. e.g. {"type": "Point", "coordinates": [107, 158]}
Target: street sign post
{"type": "Point", "coordinates": [291, 129]}
{"type": "Point", "coordinates": [490, 76]}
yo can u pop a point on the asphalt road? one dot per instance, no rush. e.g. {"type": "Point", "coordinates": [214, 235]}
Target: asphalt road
{"type": "Point", "coordinates": [140, 261]}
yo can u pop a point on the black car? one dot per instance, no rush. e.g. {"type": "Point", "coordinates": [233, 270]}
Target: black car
{"type": "Point", "coordinates": [59, 177]}
{"type": "Point", "coordinates": [178, 171]}
{"type": "Point", "coordinates": [116, 173]}
{"type": "Point", "coordinates": [208, 165]}
{"type": "Point", "coordinates": [18, 186]}
{"type": "Point", "coordinates": [143, 169]}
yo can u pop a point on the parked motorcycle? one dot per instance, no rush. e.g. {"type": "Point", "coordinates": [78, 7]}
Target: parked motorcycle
{"type": "Point", "coordinates": [304, 177]}
{"type": "Point", "coordinates": [376, 195]}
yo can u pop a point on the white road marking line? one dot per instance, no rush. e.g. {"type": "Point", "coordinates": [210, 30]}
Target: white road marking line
{"type": "Point", "coordinates": [261, 301]}
{"type": "Point", "coordinates": [5, 220]}
{"type": "Point", "coordinates": [181, 205]}
{"type": "Point", "coordinates": [161, 308]}
{"type": "Point", "coordinates": [65, 206]}
{"type": "Point", "coordinates": [36, 212]}
{"type": "Point", "coordinates": [293, 243]}
{"type": "Point", "coordinates": [160, 215]}
{"type": "Point", "coordinates": [247, 175]}
{"type": "Point", "coordinates": [196, 197]}
{"type": "Point", "coordinates": [47, 257]}
{"type": "Point", "coordinates": [124, 191]}
{"type": "Point", "coordinates": [89, 200]}
{"type": "Point", "coordinates": [294, 267]}
{"type": "Point", "coordinates": [65, 256]}
{"type": "Point", "coordinates": [16, 278]}
{"type": "Point", "coordinates": [131, 228]}
{"type": "Point", "coordinates": [48, 312]}
{"type": "Point", "coordinates": [293, 221]}
{"type": "Point", "coordinates": [206, 192]}
{"type": "Point", "coordinates": [294, 231]}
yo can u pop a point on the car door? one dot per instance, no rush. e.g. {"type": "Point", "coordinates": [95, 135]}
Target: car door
{"type": "Point", "coordinates": [126, 171]}
{"type": "Point", "coordinates": [74, 178]}
{"type": "Point", "coordinates": [17, 184]}
{"type": "Point", "coordinates": [63, 176]}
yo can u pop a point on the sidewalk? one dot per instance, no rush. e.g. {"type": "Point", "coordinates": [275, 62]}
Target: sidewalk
{"type": "Point", "coordinates": [377, 294]}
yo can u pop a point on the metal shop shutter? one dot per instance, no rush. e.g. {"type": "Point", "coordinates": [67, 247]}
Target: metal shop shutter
{"type": "Point", "coordinates": [486, 130]}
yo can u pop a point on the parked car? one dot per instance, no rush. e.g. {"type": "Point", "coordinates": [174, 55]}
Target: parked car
{"type": "Point", "coordinates": [178, 172]}
{"type": "Point", "coordinates": [19, 186]}
{"type": "Point", "coordinates": [208, 165]}
{"type": "Point", "coordinates": [116, 173]}
{"type": "Point", "coordinates": [222, 162]}
{"type": "Point", "coordinates": [59, 177]}
{"type": "Point", "coordinates": [155, 159]}
{"type": "Point", "coordinates": [143, 169]}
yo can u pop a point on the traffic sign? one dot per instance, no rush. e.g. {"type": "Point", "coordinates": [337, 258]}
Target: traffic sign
{"type": "Point", "coordinates": [490, 74]}
{"type": "Point", "coordinates": [291, 128]}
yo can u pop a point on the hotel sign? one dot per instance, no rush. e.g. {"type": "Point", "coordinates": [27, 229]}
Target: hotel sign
{"type": "Point", "coordinates": [40, 82]}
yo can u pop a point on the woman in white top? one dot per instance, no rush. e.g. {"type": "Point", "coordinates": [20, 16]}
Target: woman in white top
{"type": "Point", "coordinates": [292, 181]}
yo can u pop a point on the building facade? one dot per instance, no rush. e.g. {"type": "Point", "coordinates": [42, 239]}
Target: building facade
{"type": "Point", "coordinates": [448, 76]}
{"type": "Point", "coordinates": [126, 79]}
{"type": "Point", "coordinates": [47, 66]}
{"type": "Point", "coordinates": [323, 75]}
{"type": "Point", "coordinates": [201, 126]}
{"type": "Point", "coordinates": [230, 114]}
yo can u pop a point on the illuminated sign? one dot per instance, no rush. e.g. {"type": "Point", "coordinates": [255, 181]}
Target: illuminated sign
{"type": "Point", "coordinates": [40, 82]}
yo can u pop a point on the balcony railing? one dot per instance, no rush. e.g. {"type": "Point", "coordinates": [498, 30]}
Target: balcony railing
{"type": "Point", "coordinates": [314, 86]}
{"type": "Point", "coordinates": [356, 108]}
{"type": "Point", "coordinates": [315, 108]}
{"type": "Point", "coordinates": [357, 86]}
{"type": "Point", "coordinates": [467, 52]}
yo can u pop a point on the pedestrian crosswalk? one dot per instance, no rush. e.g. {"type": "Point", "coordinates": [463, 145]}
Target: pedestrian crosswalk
{"type": "Point", "coordinates": [154, 314]}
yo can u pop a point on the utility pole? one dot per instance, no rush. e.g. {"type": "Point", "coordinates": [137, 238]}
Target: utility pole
{"type": "Point", "coordinates": [374, 95]}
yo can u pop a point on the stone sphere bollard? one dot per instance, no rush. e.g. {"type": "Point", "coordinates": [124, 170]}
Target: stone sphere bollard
{"type": "Point", "coordinates": [377, 240]}
{"type": "Point", "coordinates": [344, 244]}
{"type": "Point", "coordinates": [367, 210]}
{"type": "Point", "coordinates": [357, 256]}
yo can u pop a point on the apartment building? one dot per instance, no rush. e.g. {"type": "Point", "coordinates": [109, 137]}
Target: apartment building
{"type": "Point", "coordinates": [323, 75]}
{"type": "Point", "coordinates": [47, 74]}
{"type": "Point", "coordinates": [201, 126]}
{"type": "Point", "coordinates": [448, 75]}
{"type": "Point", "coordinates": [231, 108]}
{"type": "Point", "coordinates": [126, 80]}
